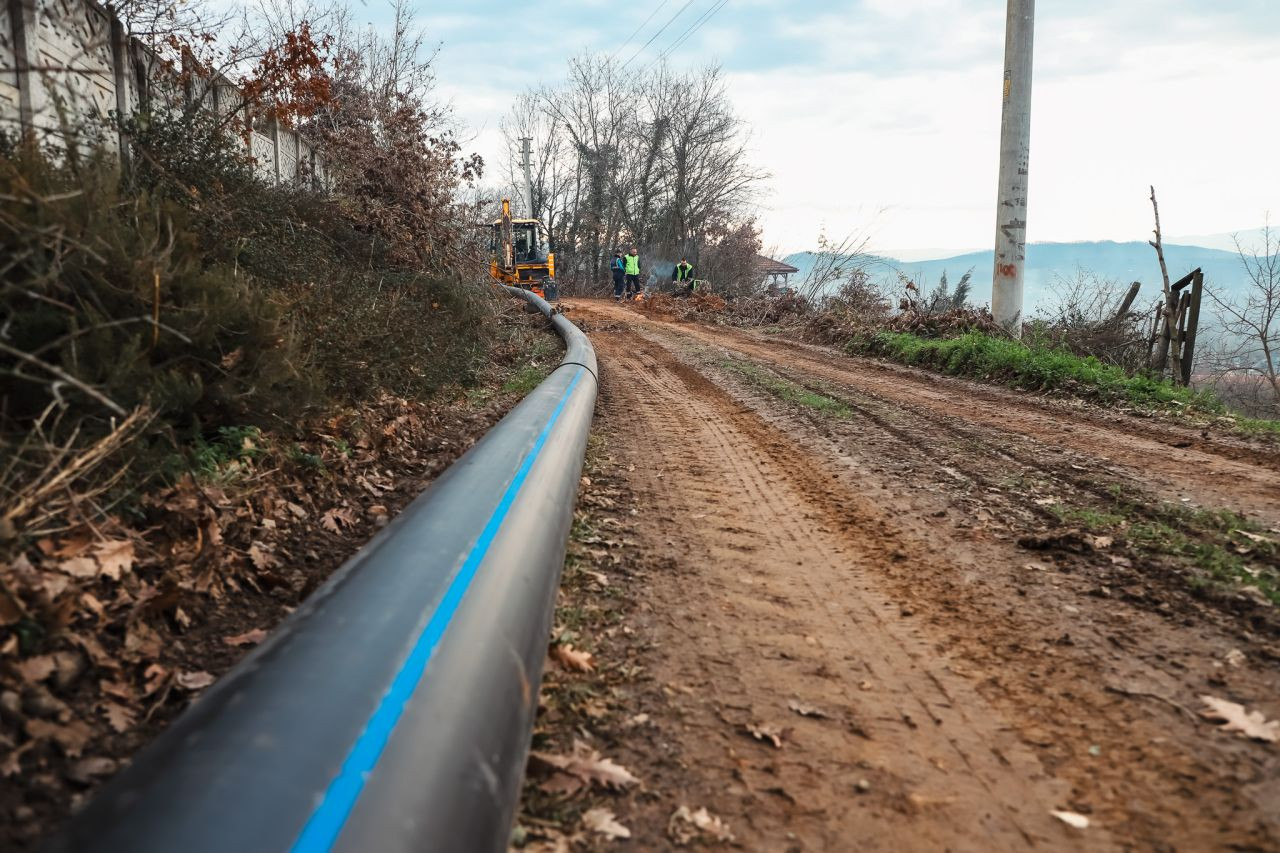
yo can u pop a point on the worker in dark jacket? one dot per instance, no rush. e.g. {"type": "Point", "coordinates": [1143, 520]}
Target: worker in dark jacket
{"type": "Point", "coordinates": [682, 278]}
{"type": "Point", "coordinates": [618, 268]}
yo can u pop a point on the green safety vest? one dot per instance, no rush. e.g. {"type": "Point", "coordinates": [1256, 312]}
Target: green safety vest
{"type": "Point", "coordinates": [682, 271]}
{"type": "Point", "coordinates": [633, 265]}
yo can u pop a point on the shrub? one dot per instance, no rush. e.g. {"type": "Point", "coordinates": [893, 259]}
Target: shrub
{"type": "Point", "coordinates": [186, 298]}
{"type": "Point", "coordinates": [1034, 367]}
{"type": "Point", "coordinates": [116, 291]}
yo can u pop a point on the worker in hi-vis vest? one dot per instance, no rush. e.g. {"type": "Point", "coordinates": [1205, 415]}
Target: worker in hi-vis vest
{"type": "Point", "coordinates": [632, 271]}
{"type": "Point", "coordinates": [682, 277]}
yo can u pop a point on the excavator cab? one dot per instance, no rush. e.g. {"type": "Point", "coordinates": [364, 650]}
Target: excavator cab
{"type": "Point", "coordinates": [518, 254]}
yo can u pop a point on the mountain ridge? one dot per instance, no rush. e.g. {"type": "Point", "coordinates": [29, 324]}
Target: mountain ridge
{"type": "Point", "coordinates": [1048, 263]}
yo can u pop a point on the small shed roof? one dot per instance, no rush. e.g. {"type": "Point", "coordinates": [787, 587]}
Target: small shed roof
{"type": "Point", "coordinates": [768, 266]}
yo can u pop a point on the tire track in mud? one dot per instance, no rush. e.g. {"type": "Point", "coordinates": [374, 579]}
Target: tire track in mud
{"type": "Point", "coordinates": [736, 503]}
{"type": "Point", "coordinates": [792, 603]}
{"type": "Point", "coordinates": [1214, 473]}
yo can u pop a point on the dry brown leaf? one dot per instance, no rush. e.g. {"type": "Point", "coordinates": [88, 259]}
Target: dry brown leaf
{"type": "Point", "coordinates": [79, 567]}
{"type": "Point", "coordinates": [72, 737]}
{"type": "Point", "coordinates": [86, 770]}
{"type": "Point", "coordinates": [807, 710]}
{"type": "Point", "coordinates": [561, 784]}
{"type": "Point", "coordinates": [70, 665]}
{"type": "Point", "coordinates": [604, 822]}
{"type": "Point", "coordinates": [90, 601]}
{"type": "Point", "coordinates": [335, 519]}
{"type": "Point", "coordinates": [54, 585]}
{"type": "Point", "coordinates": [587, 765]}
{"type": "Point", "coordinates": [115, 557]}
{"type": "Point", "coordinates": [197, 680]}
{"type": "Point", "coordinates": [571, 658]}
{"type": "Point", "coordinates": [1234, 718]}
{"type": "Point", "coordinates": [157, 676]}
{"type": "Point", "coordinates": [595, 709]}
{"type": "Point", "coordinates": [687, 826]}
{"type": "Point", "coordinates": [544, 839]}
{"type": "Point", "coordinates": [232, 358]}
{"type": "Point", "coordinates": [766, 732]}
{"type": "Point", "coordinates": [74, 546]}
{"type": "Point", "coordinates": [120, 718]}
{"type": "Point", "coordinates": [248, 638]}
{"type": "Point", "coordinates": [96, 652]}
{"type": "Point", "coordinates": [142, 642]}
{"type": "Point", "coordinates": [118, 689]}
{"type": "Point", "coordinates": [36, 669]}
{"type": "Point", "coordinates": [261, 558]}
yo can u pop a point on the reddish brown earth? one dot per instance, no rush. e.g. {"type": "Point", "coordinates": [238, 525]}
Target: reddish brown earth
{"type": "Point", "coordinates": [755, 558]}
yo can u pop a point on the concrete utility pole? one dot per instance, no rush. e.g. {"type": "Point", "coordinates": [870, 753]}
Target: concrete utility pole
{"type": "Point", "coordinates": [1015, 150]}
{"type": "Point", "coordinates": [526, 157]}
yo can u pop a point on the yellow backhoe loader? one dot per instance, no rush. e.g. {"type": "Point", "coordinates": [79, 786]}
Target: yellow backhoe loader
{"type": "Point", "coordinates": [518, 255]}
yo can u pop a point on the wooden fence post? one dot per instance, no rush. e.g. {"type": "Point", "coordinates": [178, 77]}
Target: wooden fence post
{"type": "Point", "coordinates": [1128, 300]}
{"type": "Point", "coordinates": [1193, 323]}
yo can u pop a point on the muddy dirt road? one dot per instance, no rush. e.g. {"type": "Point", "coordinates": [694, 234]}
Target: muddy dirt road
{"type": "Point", "coordinates": [825, 552]}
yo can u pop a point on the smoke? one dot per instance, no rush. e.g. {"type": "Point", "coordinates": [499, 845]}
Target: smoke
{"type": "Point", "coordinates": [660, 272]}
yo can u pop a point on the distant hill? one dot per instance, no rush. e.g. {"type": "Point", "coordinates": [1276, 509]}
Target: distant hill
{"type": "Point", "coordinates": [1123, 262]}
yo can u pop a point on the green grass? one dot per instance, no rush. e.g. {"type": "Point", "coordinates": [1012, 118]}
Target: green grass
{"type": "Point", "coordinates": [526, 379]}
{"type": "Point", "coordinates": [1259, 428]}
{"type": "Point", "coordinates": [223, 458]}
{"type": "Point", "coordinates": [785, 390]}
{"type": "Point", "coordinates": [1034, 367]}
{"type": "Point", "coordinates": [1225, 550]}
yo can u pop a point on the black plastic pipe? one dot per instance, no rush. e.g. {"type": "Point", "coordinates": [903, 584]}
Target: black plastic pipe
{"type": "Point", "coordinates": [393, 710]}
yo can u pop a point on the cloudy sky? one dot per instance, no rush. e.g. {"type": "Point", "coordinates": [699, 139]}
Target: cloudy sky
{"type": "Point", "coordinates": [882, 116]}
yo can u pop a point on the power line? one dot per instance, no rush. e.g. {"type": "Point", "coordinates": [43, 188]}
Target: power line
{"type": "Point", "coordinates": [697, 26]}
{"type": "Point", "coordinates": [669, 22]}
{"type": "Point", "coordinates": [688, 33]}
{"type": "Point", "coordinates": [619, 48]}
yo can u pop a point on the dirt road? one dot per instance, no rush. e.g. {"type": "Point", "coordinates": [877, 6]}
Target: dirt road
{"type": "Point", "coordinates": [846, 647]}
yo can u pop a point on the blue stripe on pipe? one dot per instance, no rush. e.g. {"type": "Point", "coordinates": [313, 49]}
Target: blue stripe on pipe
{"type": "Point", "coordinates": [326, 822]}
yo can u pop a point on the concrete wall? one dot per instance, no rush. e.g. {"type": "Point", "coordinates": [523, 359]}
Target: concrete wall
{"type": "Point", "coordinates": [71, 59]}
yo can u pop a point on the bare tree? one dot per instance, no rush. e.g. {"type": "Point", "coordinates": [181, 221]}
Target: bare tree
{"type": "Point", "coordinates": [705, 167]}
{"type": "Point", "coordinates": [551, 173]}
{"type": "Point", "coordinates": [1248, 351]}
{"type": "Point", "coordinates": [836, 263]}
{"type": "Point", "coordinates": [1160, 359]}
{"type": "Point", "coordinates": [655, 159]}
{"type": "Point", "coordinates": [1093, 316]}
